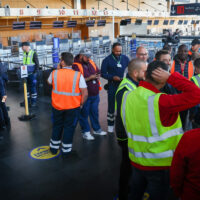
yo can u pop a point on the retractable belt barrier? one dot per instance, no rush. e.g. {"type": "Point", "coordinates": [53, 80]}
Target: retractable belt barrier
{"type": "Point", "coordinates": [24, 74]}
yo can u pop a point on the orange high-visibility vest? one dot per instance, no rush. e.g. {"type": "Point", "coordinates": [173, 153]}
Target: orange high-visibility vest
{"type": "Point", "coordinates": [80, 67]}
{"type": "Point", "coordinates": [66, 93]}
{"type": "Point", "coordinates": [189, 53]}
{"type": "Point", "coordinates": [190, 69]}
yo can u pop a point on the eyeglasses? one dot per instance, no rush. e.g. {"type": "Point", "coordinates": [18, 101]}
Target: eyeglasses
{"type": "Point", "coordinates": [143, 54]}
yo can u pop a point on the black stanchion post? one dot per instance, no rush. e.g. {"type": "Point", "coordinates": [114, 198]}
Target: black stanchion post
{"type": "Point", "coordinates": [27, 115]}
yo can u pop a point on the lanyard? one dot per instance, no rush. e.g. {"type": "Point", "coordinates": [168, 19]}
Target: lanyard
{"type": "Point", "coordinates": [118, 62]}
{"type": "Point", "coordinates": [183, 67]}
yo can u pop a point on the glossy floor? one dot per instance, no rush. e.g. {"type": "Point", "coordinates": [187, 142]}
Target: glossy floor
{"type": "Point", "coordinates": [92, 174]}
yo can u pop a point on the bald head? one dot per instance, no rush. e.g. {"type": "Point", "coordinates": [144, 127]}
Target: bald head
{"type": "Point", "coordinates": [142, 53]}
{"type": "Point", "coordinates": [137, 69]}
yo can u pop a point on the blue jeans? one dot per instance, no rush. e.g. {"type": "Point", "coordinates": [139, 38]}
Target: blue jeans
{"type": "Point", "coordinates": [90, 108]}
{"type": "Point", "coordinates": [155, 184]}
{"type": "Point", "coordinates": [111, 103]}
{"type": "Point", "coordinates": [31, 85]}
{"type": "Point", "coordinates": [64, 121]}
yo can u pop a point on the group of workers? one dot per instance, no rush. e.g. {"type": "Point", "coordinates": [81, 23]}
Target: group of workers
{"type": "Point", "coordinates": [147, 102]}
{"type": "Point", "coordinates": [144, 106]}
{"type": "Point", "coordinates": [149, 128]}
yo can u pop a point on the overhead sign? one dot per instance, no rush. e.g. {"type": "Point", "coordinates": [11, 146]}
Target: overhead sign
{"type": "Point", "coordinates": [43, 153]}
{"type": "Point", "coordinates": [185, 9]}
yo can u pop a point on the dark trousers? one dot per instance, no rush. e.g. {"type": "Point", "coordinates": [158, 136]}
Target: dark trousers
{"type": "Point", "coordinates": [155, 184]}
{"type": "Point", "coordinates": [125, 171]}
{"type": "Point", "coordinates": [4, 118]}
{"type": "Point", "coordinates": [112, 88]}
{"type": "Point", "coordinates": [183, 116]}
{"type": "Point", "coordinates": [32, 88]}
{"type": "Point", "coordinates": [64, 121]}
{"type": "Point", "coordinates": [91, 109]}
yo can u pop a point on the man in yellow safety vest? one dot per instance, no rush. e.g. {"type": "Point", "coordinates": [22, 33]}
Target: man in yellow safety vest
{"type": "Point", "coordinates": [151, 120]}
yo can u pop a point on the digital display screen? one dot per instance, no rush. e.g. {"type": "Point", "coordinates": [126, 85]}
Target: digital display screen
{"type": "Point", "coordinates": [180, 22]}
{"type": "Point", "coordinates": [90, 23]}
{"type": "Point", "coordinates": [71, 24]}
{"type": "Point", "coordinates": [156, 22]}
{"type": "Point", "coordinates": [165, 22]}
{"type": "Point", "coordinates": [149, 22]}
{"type": "Point", "coordinates": [128, 21]}
{"type": "Point", "coordinates": [58, 24]}
{"type": "Point", "coordinates": [35, 25]}
{"type": "Point", "coordinates": [18, 25]}
{"type": "Point", "coordinates": [138, 22]}
{"type": "Point", "coordinates": [123, 23]}
{"type": "Point", "coordinates": [101, 23]}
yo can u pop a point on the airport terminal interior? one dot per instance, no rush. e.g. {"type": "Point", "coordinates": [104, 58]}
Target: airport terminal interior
{"type": "Point", "coordinates": [28, 170]}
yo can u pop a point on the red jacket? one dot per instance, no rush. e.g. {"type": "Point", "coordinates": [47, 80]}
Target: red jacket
{"type": "Point", "coordinates": [185, 169]}
{"type": "Point", "coordinates": [171, 105]}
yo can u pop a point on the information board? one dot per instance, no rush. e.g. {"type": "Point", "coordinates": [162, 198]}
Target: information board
{"type": "Point", "coordinates": [185, 9]}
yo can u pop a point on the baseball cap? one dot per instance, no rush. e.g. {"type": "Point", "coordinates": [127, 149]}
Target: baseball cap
{"type": "Point", "coordinates": [86, 52]}
{"type": "Point", "coordinates": [25, 44]}
{"type": "Point", "coordinates": [195, 41]}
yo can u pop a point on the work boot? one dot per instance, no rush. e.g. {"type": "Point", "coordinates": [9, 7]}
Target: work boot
{"type": "Point", "coordinates": [53, 151]}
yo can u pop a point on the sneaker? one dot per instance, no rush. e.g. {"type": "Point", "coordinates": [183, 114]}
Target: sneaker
{"type": "Point", "coordinates": [88, 136]}
{"type": "Point", "coordinates": [100, 132]}
{"type": "Point", "coordinates": [110, 129]}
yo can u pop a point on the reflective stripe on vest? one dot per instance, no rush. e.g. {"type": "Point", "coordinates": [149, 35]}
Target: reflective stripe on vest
{"type": "Point", "coordinates": [28, 59]}
{"type": "Point", "coordinates": [165, 154]}
{"type": "Point", "coordinates": [125, 83]}
{"type": "Point", "coordinates": [80, 67]}
{"type": "Point", "coordinates": [66, 93]}
{"type": "Point", "coordinates": [154, 142]}
{"type": "Point", "coordinates": [196, 80]}
{"type": "Point", "coordinates": [188, 71]}
{"type": "Point", "coordinates": [73, 87]}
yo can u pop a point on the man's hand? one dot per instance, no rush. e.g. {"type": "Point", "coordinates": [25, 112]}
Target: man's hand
{"type": "Point", "coordinates": [4, 99]}
{"type": "Point", "coordinates": [116, 78]}
{"type": "Point", "coordinates": [160, 75]}
{"type": "Point", "coordinates": [92, 77]}
{"type": "Point", "coordinates": [98, 76]}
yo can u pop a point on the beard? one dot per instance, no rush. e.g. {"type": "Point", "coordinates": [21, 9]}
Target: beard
{"type": "Point", "coordinates": [140, 79]}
